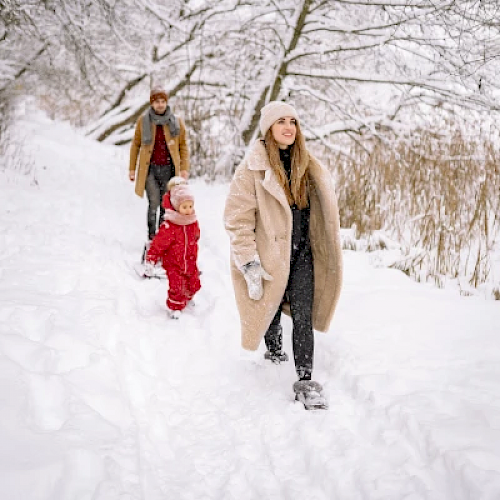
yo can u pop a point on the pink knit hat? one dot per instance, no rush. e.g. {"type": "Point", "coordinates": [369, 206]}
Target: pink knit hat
{"type": "Point", "coordinates": [179, 194]}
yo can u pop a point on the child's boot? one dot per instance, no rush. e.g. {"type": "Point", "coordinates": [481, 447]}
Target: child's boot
{"type": "Point", "coordinates": [173, 314]}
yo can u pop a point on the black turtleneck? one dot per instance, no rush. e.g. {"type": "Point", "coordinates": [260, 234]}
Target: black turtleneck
{"type": "Point", "coordinates": [286, 159]}
{"type": "Point", "coordinates": [301, 217]}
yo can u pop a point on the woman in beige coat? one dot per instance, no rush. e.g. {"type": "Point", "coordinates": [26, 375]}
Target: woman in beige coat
{"type": "Point", "coordinates": [282, 218]}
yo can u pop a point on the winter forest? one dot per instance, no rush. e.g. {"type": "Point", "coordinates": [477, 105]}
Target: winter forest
{"type": "Point", "coordinates": [400, 100]}
{"type": "Point", "coordinates": [102, 398]}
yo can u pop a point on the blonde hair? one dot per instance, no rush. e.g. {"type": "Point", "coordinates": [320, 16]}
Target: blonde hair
{"type": "Point", "coordinates": [297, 190]}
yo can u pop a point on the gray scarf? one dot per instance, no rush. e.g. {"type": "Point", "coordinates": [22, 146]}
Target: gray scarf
{"type": "Point", "coordinates": [167, 118]}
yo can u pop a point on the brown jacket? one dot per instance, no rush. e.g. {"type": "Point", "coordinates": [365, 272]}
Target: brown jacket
{"type": "Point", "coordinates": [259, 222]}
{"type": "Point", "coordinates": [176, 145]}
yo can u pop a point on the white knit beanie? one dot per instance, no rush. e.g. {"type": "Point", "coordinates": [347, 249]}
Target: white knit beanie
{"type": "Point", "coordinates": [274, 111]}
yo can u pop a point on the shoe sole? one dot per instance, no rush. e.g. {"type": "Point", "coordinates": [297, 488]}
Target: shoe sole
{"type": "Point", "coordinates": [317, 406]}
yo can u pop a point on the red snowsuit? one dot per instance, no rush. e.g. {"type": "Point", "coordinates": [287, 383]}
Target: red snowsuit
{"type": "Point", "coordinates": [177, 247]}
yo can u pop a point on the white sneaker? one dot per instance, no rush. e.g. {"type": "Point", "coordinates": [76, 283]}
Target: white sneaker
{"type": "Point", "coordinates": [149, 269]}
{"type": "Point", "coordinates": [158, 271]}
{"type": "Point", "coordinates": [173, 314]}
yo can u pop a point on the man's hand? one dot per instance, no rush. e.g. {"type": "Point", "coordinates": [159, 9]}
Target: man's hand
{"type": "Point", "coordinates": [184, 174]}
{"type": "Point", "coordinates": [131, 175]}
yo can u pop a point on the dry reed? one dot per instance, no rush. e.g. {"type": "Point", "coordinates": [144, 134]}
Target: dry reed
{"type": "Point", "coordinates": [439, 197]}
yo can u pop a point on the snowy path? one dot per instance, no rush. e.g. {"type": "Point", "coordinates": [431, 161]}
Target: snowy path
{"type": "Point", "coordinates": [103, 398]}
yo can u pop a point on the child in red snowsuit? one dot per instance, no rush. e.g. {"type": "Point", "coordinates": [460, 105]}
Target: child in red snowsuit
{"type": "Point", "coordinates": [176, 246]}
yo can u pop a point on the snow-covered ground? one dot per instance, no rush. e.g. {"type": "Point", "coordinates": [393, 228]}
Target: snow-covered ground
{"type": "Point", "coordinates": [103, 398]}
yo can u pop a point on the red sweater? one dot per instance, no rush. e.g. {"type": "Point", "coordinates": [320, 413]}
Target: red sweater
{"type": "Point", "coordinates": [160, 154]}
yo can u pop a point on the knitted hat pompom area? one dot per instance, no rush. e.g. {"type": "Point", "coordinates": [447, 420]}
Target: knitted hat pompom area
{"type": "Point", "coordinates": [175, 181]}
{"type": "Point", "coordinates": [273, 111]}
{"type": "Point", "coordinates": [179, 194]}
{"type": "Point", "coordinates": [157, 93]}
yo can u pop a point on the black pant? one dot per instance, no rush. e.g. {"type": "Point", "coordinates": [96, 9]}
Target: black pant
{"type": "Point", "coordinates": [156, 187]}
{"type": "Point", "coordinates": [300, 293]}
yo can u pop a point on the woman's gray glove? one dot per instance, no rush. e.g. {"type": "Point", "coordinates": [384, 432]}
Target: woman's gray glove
{"type": "Point", "coordinates": [254, 273]}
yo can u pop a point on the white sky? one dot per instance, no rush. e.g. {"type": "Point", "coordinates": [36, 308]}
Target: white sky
{"type": "Point", "coordinates": [103, 398]}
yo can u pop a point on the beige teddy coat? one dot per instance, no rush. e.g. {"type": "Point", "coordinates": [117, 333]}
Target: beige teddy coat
{"type": "Point", "coordinates": [258, 220]}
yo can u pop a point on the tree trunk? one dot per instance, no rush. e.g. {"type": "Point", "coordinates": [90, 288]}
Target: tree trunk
{"type": "Point", "coordinates": [271, 91]}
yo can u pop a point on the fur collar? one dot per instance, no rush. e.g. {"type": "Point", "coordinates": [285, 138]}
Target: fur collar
{"type": "Point", "coordinates": [257, 158]}
{"type": "Point", "coordinates": [321, 179]}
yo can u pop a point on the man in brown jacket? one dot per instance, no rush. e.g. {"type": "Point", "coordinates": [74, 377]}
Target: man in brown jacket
{"type": "Point", "coordinates": [160, 143]}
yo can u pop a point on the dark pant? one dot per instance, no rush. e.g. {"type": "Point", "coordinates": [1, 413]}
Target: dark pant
{"type": "Point", "coordinates": [300, 294]}
{"type": "Point", "coordinates": [156, 187]}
